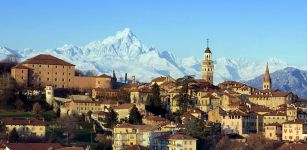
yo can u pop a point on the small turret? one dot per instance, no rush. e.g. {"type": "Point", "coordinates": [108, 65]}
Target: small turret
{"type": "Point", "coordinates": [49, 94]}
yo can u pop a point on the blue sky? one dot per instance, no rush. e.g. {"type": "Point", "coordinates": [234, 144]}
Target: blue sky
{"type": "Point", "coordinates": [256, 29]}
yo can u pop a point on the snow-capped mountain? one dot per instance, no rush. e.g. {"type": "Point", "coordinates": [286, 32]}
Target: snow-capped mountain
{"type": "Point", "coordinates": [125, 53]}
{"type": "Point", "coordinates": [289, 79]}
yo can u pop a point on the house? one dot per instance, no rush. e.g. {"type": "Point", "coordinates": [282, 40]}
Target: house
{"type": "Point", "coordinates": [33, 146]}
{"type": "Point", "coordinates": [123, 110]}
{"type": "Point", "coordinates": [295, 130]}
{"type": "Point", "coordinates": [25, 127]}
{"type": "Point", "coordinates": [125, 135]}
{"type": "Point", "coordinates": [273, 131]}
{"type": "Point", "coordinates": [240, 122]}
{"type": "Point", "coordinates": [175, 141]}
{"type": "Point", "coordinates": [152, 120]}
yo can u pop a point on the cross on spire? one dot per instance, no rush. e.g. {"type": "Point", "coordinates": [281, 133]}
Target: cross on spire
{"type": "Point", "coordinates": [207, 43]}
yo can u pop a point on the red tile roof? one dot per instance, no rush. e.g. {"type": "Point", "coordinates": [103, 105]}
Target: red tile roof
{"type": "Point", "coordinates": [177, 137]}
{"type": "Point", "coordinates": [293, 146]}
{"type": "Point", "coordinates": [124, 106]}
{"type": "Point", "coordinates": [9, 121]}
{"type": "Point", "coordinates": [159, 79]}
{"type": "Point", "coordinates": [47, 60]}
{"type": "Point", "coordinates": [296, 121]}
{"type": "Point", "coordinates": [33, 146]}
{"type": "Point", "coordinates": [104, 76]}
{"type": "Point", "coordinates": [136, 147]}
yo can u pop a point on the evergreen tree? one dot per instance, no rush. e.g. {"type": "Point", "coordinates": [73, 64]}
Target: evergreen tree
{"type": "Point", "coordinates": [114, 76]}
{"type": "Point", "coordinates": [37, 110]}
{"type": "Point", "coordinates": [111, 119]}
{"type": "Point", "coordinates": [184, 97]}
{"type": "Point", "coordinates": [13, 136]}
{"type": "Point", "coordinates": [153, 103]}
{"type": "Point", "coordinates": [156, 96]}
{"type": "Point", "coordinates": [135, 116]}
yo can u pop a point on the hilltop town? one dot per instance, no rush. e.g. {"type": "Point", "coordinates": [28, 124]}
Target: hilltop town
{"type": "Point", "coordinates": [46, 103]}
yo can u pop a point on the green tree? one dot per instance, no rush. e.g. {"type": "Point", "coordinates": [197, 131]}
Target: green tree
{"type": "Point", "coordinates": [184, 97]}
{"type": "Point", "coordinates": [195, 128]}
{"type": "Point", "coordinates": [135, 116]}
{"type": "Point", "coordinates": [111, 119]}
{"type": "Point", "coordinates": [37, 110]}
{"type": "Point", "coordinates": [153, 103]}
{"type": "Point", "coordinates": [13, 136]}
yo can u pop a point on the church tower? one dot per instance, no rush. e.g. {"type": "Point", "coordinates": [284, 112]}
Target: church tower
{"type": "Point", "coordinates": [267, 79]}
{"type": "Point", "coordinates": [207, 66]}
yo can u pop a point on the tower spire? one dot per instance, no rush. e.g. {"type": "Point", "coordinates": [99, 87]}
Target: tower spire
{"type": "Point", "coordinates": [207, 43]}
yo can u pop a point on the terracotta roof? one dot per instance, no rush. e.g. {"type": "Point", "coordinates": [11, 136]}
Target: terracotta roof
{"type": "Point", "coordinates": [99, 113]}
{"type": "Point", "coordinates": [86, 101]}
{"type": "Point", "coordinates": [235, 113]}
{"type": "Point", "coordinates": [155, 118]}
{"type": "Point", "coordinates": [136, 147]}
{"type": "Point", "coordinates": [296, 121]}
{"type": "Point", "coordinates": [293, 146]}
{"type": "Point", "coordinates": [20, 66]}
{"type": "Point", "coordinates": [176, 137]}
{"type": "Point", "coordinates": [275, 113]}
{"type": "Point", "coordinates": [33, 146]}
{"type": "Point", "coordinates": [273, 124]}
{"type": "Point", "coordinates": [71, 148]}
{"type": "Point", "coordinates": [270, 93]}
{"type": "Point", "coordinates": [109, 102]}
{"type": "Point", "coordinates": [124, 106]}
{"type": "Point", "coordinates": [9, 121]}
{"type": "Point", "coordinates": [159, 79]}
{"type": "Point", "coordinates": [104, 76]}
{"type": "Point", "coordinates": [47, 60]}
{"type": "Point", "coordinates": [140, 127]}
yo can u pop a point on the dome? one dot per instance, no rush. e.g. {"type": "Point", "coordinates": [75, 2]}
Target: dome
{"type": "Point", "coordinates": [207, 50]}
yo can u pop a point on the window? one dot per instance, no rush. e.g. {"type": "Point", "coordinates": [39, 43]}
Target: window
{"type": "Point", "coordinates": [63, 73]}
{"type": "Point", "coordinates": [56, 66]}
{"type": "Point", "coordinates": [68, 80]}
{"type": "Point", "coordinates": [56, 73]}
{"type": "Point", "coordinates": [55, 79]}
{"type": "Point", "coordinates": [21, 71]}
{"type": "Point", "coordinates": [21, 77]}
{"type": "Point", "coordinates": [63, 79]}
{"type": "Point", "coordinates": [47, 79]}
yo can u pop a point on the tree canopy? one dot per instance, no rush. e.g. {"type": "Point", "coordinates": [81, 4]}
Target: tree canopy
{"type": "Point", "coordinates": [135, 116]}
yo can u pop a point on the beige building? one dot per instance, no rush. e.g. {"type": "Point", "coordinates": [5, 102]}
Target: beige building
{"type": "Point", "coordinates": [237, 87]}
{"type": "Point", "coordinates": [123, 110]}
{"type": "Point", "coordinates": [175, 142]}
{"type": "Point", "coordinates": [269, 97]}
{"type": "Point", "coordinates": [126, 134]}
{"type": "Point", "coordinates": [273, 131]}
{"type": "Point", "coordinates": [83, 106]}
{"type": "Point", "coordinates": [25, 127]}
{"type": "Point", "coordinates": [43, 70]}
{"type": "Point", "coordinates": [295, 130]}
{"type": "Point", "coordinates": [240, 122]}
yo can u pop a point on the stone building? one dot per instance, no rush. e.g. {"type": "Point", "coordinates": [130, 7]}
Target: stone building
{"type": "Point", "coordinates": [271, 98]}
{"type": "Point", "coordinates": [44, 69]}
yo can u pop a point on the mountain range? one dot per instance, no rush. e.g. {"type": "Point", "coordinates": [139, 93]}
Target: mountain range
{"type": "Point", "coordinates": [125, 53]}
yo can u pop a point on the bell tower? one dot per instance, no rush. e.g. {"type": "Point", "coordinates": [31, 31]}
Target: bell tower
{"type": "Point", "coordinates": [207, 66]}
{"type": "Point", "coordinates": [267, 79]}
